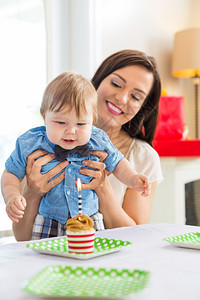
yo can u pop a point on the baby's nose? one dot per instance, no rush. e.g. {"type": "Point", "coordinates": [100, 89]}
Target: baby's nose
{"type": "Point", "coordinates": [70, 129]}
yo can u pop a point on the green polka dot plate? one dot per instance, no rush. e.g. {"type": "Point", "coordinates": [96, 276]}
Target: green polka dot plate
{"type": "Point", "coordinates": [86, 282]}
{"type": "Point", "coordinates": [59, 247]}
{"type": "Point", "coordinates": [187, 240]}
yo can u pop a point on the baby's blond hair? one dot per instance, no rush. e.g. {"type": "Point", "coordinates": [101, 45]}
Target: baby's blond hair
{"type": "Point", "coordinates": [72, 90]}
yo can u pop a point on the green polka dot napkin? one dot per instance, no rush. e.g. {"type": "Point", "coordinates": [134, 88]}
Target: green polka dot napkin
{"type": "Point", "coordinates": [60, 247]}
{"type": "Point", "coordinates": [73, 281]}
{"type": "Point", "coordinates": [187, 240]}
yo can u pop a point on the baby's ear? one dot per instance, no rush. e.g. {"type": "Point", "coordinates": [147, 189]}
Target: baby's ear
{"type": "Point", "coordinates": [43, 116]}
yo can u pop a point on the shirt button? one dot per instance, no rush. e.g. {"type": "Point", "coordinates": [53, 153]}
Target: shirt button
{"type": "Point", "coordinates": [69, 170]}
{"type": "Point", "coordinates": [68, 192]}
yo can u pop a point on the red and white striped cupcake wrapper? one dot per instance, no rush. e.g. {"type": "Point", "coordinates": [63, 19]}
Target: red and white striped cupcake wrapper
{"type": "Point", "coordinates": [81, 242]}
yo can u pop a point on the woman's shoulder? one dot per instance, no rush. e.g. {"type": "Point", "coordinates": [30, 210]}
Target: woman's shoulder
{"type": "Point", "coordinates": [142, 148]}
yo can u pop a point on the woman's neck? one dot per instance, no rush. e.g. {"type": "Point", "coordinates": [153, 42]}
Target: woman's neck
{"type": "Point", "coordinates": [120, 139]}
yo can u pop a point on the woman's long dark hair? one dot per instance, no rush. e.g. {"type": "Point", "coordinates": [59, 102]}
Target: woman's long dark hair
{"type": "Point", "coordinates": [143, 125]}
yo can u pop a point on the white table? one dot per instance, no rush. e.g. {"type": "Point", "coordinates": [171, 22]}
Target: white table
{"type": "Point", "coordinates": [175, 272]}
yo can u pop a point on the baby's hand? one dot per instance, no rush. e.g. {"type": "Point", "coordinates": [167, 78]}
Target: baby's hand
{"type": "Point", "coordinates": [15, 207]}
{"type": "Point", "coordinates": [141, 184]}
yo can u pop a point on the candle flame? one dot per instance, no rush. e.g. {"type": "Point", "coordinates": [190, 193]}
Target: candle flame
{"type": "Point", "coordinates": [78, 184]}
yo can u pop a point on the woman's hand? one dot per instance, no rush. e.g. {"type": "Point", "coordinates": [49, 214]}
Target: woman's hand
{"type": "Point", "coordinates": [39, 183]}
{"type": "Point", "coordinates": [98, 174]}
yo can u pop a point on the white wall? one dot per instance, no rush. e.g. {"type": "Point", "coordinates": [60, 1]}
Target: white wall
{"type": "Point", "coordinates": [71, 36]}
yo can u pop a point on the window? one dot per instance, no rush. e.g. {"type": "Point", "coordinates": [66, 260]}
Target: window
{"type": "Point", "coordinates": [22, 74]}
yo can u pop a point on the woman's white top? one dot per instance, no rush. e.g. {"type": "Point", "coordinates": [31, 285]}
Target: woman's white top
{"type": "Point", "coordinates": [144, 160]}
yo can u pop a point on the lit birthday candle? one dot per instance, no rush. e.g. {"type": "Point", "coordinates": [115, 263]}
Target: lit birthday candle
{"type": "Point", "coordinates": [79, 196]}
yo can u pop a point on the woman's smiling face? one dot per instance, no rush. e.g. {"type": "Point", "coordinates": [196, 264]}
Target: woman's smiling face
{"type": "Point", "coordinates": [121, 95]}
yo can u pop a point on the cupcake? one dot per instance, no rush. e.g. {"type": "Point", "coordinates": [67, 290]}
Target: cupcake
{"type": "Point", "coordinates": [80, 234]}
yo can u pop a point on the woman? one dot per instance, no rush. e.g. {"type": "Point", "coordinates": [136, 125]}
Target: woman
{"type": "Point", "coordinates": [128, 88]}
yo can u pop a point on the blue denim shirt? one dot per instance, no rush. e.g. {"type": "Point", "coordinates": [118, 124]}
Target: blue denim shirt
{"type": "Point", "coordinates": [63, 198]}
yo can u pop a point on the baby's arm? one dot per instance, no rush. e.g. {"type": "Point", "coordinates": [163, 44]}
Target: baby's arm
{"type": "Point", "coordinates": [125, 173]}
{"type": "Point", "coordinates": [11, 191]}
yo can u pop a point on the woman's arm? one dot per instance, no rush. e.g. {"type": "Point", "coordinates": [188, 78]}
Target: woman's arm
{"type": "Point", "coordinates": [113, 214]}
{"type": "Point", "coordinates": [136, 209]}
{"type": "Point", "coordinates": [34, 186]}
{"type": "Point", "coordinates": [137, 206]}
{"type": "Point", "coordinates": [23, 229]}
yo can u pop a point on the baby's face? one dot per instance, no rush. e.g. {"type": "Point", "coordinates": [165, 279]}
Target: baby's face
{"type": "Point", "coordinates": [68, 131]}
